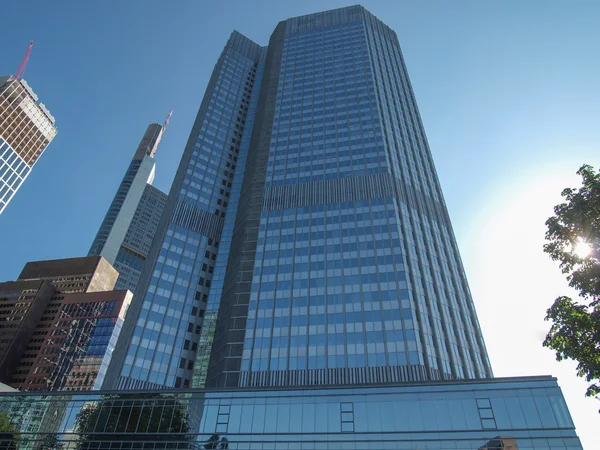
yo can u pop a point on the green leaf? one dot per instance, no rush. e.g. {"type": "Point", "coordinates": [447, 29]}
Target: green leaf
{"type": "Point", "coordinates": [575, 330]}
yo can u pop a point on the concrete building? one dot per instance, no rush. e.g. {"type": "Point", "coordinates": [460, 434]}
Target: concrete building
{"type": "Point", "coordinates": [26, 129]}
{"type": "Point", "coordinates": [127, 231]}
{"type": "Point", "coordinates": [58, 321]}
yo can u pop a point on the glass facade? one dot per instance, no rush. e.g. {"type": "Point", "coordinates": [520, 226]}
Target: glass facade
{"type": "Point", "coordinates": [213, 301]}
{"type": "Point", "coordinates": [356, 276]}
{"type": "Point", "coordinates": [305, 240]}
{"type": "Point", "coordinates": [309, 294]}
{"type": "Point", "coordinates": [168, 311]}
{"type": "Point", "coordinates": [13, 171]}
{"type": "Point", "coordinates": [114, 209]}
{"type": "Point", "coordinates": [133, 252]}
{"type": "Point", "coordinates": [518, 413]}
{"type": "Point", "coordinates": [339, 302]}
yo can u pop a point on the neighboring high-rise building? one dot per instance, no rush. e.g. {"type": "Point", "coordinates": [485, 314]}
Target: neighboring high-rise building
{"type": "Point", "coordinates": [26, 129]}
{"type": "Point", "coordinates": [127, 231]}
{"type": "Point", "coordinates": [58, 322]}
{"type": "Point", "coordinates": [22, 304]}
{"type": "Point", "coordinates": [305, 240]}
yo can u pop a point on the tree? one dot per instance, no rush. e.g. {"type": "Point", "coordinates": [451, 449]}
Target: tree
{"type": "Point", "coordinates": [212, 443]}
{"type": "Point", "coordinates": [8, 433]}
{"type": "Point", "coordinates": [50, 442]}
{"type": "Point", "coordinates": [573, 239]}
{"type": "Point", "coordinates": [143, 418]}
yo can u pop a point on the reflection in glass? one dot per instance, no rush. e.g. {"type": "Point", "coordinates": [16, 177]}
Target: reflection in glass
{"type": "Point", "coordinates": [132, 417]}
{"type": "Point", "coordinates": [392, 417]}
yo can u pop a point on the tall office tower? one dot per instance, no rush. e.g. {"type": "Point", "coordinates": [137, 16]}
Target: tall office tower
{"type": "Point", "coordinates": [126, 233]}
{"type": "Point", "coordinates": [305, 240]}
{"type": "Point", "coordinates": [59, 322]}
{"type": "Point", "coordinates": [26, 129]}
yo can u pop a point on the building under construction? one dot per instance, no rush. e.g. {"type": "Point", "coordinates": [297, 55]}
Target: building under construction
{"type": "Point", "coordinates": [58, 323]}
{"type": "Point", "coordinates": [26, 129]}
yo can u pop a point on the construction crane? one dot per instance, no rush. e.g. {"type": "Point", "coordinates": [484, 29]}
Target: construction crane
{"type": "Point", "coordinates": [21, 69]}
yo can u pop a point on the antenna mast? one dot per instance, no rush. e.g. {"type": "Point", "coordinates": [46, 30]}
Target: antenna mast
{"type": "Point", "coordinates": [23, 64]}
{"type": "Point", "coordinates": [164, 127]}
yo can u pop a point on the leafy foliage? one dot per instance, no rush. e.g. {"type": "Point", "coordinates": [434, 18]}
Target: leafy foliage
{"type": "Point", "coordinates": [6, 426]}
{"type": "Point", "coordinates": [575, 331]}
{"type": "Point", "coordinates": [215, 443]}
{"type": "Point", "coordinates": [8, 433]}
{"type": "Point", "coordinates": [133, 417]}
{"type": "Point", "coordinates": [50, 442]}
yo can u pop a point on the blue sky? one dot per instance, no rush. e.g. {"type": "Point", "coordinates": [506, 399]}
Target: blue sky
{"type": "Point", "coordinates": [508, 92]}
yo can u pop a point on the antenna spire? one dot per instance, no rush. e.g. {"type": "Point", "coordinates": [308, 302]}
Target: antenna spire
{"type": "Point", "coordinates": [164, 127]}
{"type": "Point", "coordinates": [23, 64]}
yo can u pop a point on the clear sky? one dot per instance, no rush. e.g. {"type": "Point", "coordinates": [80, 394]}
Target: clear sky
{"type": "Point", "coordinates": [508, 92]}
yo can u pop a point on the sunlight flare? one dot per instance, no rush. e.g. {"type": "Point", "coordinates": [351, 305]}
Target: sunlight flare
{"type": "Point", "coordinates": [582, 248]}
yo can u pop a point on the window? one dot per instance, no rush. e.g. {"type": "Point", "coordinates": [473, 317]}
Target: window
{"type": "Point", "coordinates": [486, 414]}
{"type": "Point", "coordinates": [347, 416]}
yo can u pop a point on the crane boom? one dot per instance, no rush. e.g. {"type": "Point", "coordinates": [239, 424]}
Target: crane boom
{"type": "Point", "coordinates": [23, 64]}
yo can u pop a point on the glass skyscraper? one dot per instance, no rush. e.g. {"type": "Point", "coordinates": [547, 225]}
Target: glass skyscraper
{"type": "Point", "coordinates": [127, 231]}
{"type": "Point", "coordinates": [305, 240]}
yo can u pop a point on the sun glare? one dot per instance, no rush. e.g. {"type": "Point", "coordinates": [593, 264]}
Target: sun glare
{"type": "Point", "coordinates": [582, 249]}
